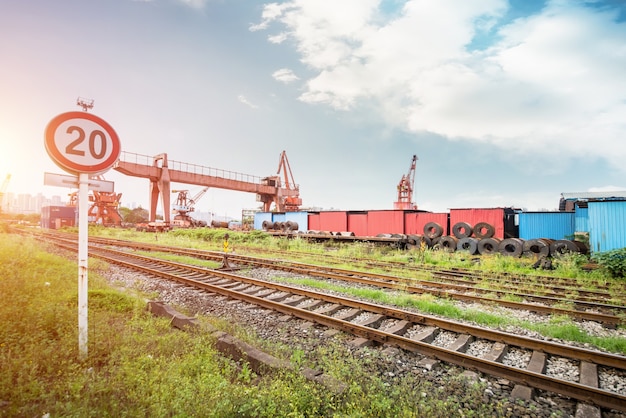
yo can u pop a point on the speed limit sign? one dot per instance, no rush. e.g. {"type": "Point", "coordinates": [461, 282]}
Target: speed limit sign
{"type": "Point", "coordinates": [80, 142]}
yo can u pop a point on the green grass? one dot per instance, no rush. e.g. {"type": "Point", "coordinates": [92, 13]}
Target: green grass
{"type": "Point", "coordinates": [183, 259]}
{"type": "Point", "coordinates": [139, 365]}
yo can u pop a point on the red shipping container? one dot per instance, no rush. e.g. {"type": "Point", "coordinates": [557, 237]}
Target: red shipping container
{"type": "Point", "coordinates": [414, 222]}
{"type": "Point", "coordinates": [357, 223]}
{"type": "Point", "coordinates": [494, 217]}
{"type": "Point", "coordinates": [335, 221]}
{"type": "Point", "coordinates": [385, 222]}
{"type": "Point", "coordinates": [313, 221]}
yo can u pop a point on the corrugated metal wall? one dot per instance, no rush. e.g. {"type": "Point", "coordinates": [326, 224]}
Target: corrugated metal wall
{"type": "Point", "coordinates": [494, 217]}
{"type": "Point", "coordinates": [334, 221]}
{"type": "Point", "coordinates": [279, 217]}
{"type": "Point", "coordinates": [314, 221]}
{"type": "Point", "coordinates": [581, 219]}
{"type": "Point", "coordinates": [552, 225]}
{"type": "Point", "coordinates": [259, 218]}
{"type": "Point", "coordinates": [607, 226]}
{"type": "Point", "coordinates": [414, 222]}
{"type": "Point", "coordinates": [301, 218]}
{"type": "Point", "coordinates": [357, 223]}
{"type": "Point", "coordinates": [385, 222]}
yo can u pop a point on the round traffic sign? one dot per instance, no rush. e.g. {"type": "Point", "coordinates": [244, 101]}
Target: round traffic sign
{"type": "Point", "coordinates": [80, 142]}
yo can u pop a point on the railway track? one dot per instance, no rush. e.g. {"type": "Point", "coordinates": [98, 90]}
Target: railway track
{"type": "Point", "coordinates": [470, 290]}
{"type": "Point", "coordinates": [410, 331]}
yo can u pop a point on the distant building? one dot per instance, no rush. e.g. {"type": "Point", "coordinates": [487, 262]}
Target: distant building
{"type": "Point", "coordinates": [24, 203]}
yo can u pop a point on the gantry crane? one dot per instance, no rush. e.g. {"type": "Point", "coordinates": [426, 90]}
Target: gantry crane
{"type": "Point", "coordinates": [3, 189]}
{"type": "Point", "coordinates": [183, 206]}
{"type": "Point", "coordinates": [405, 188]}
{"type": "Point", "coordinates": [268, 189]}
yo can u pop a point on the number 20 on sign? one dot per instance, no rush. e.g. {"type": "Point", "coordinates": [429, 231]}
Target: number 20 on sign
{"type": "Point", "coordinates": [80, 142]}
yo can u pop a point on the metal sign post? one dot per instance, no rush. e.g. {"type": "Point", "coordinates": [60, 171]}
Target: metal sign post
{"type": "Point", "coordinates": [81, 144]}
{"type": "Point", "coordinates": [83, 311]}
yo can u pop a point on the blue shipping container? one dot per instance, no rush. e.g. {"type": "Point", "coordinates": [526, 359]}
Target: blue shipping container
{"type": "Point", "coordinates": [607, 225]}
{"type": "Point", "coordinates": [552, 225]}
{"type": "Point", "coordinates": [259, 217]}
{"type": "Point", "coordinates": [582, 219]}
{"type": "Point", "coordinates": [301, 218]}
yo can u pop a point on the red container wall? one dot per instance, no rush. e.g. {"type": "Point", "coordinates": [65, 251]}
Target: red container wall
{"type": "Point", "coordinates": [494, 217]}
{"type": "Point", "coordinates": [333, 221]}
{"type": "Point", "coordinates": [385, 222]}
{"type": "Point", "coordinates": [357, 223]}
{"type": "Point", "coordinates": [414, 222]}
{"type": "Point", "coordinates": [314, 221]}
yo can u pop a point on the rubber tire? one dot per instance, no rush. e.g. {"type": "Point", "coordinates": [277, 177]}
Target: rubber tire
{"type": "Point", "coordinates": [468, 244]}
{"type": "Point", "coordinates": [462, 230]}
{"type": "Point", "coordinates": [512, 247]}
{"type": "Point", "coordinates": [488, 246]}
{"type": "Point", "coordinates": [448, 243]}
{"type": "Point", "coordinates": [490, 231]}
{"type": "Point", "coordinates": [433, 230]}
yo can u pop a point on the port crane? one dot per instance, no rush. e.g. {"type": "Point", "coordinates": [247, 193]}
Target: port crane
{"type": "Point", "coordinates": [183, 206]}
{"type": "Point", "coordinates": [405, 188]}
{"type": "Point", "coordinates": [3, 189]}
{"type": "Point", "coordinates": [289, 203]}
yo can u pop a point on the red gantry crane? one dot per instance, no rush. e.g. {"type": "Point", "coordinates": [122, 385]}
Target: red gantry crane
{"type": "Point", "coordinates": [161, 172]}
{"type": "Point", "coordinates": [405, 189]}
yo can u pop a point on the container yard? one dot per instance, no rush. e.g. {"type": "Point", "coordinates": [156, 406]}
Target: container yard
{"type": "Point", "coordinates": [589, 222]}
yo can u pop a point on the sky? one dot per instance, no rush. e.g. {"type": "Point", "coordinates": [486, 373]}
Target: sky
{"type": "Point", "coordinates": [505, 103]}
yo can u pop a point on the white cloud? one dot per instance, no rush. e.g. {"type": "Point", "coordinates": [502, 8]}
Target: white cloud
{"type": "Point", "coordinates": [550, 83]}
{"type": "Point", "coordinates": [607, 189]}
{"type": "Point", "coordinates": [244, 100]}
{"type": "Point", "coordinates": [285, 75]}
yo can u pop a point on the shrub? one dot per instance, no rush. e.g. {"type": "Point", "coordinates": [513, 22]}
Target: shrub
{"type": "Point", "coordinates": [614, 262]}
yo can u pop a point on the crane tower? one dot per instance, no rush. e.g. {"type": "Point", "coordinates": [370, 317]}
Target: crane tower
{"type": "Point", "coordinates": [405, 188]}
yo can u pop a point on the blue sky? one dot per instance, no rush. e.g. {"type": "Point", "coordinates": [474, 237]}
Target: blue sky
{"type": "Point", "coordinates": [505, 103]}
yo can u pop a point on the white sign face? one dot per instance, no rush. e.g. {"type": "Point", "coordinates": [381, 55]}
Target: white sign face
{"type": "Point", "coordinates": [60, 180]}
{"type": "Point", "coordinates": [80, 142]}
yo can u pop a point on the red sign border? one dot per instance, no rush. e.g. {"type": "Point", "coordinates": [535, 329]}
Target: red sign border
{"type": "Point", "coordinates": [69, 165]}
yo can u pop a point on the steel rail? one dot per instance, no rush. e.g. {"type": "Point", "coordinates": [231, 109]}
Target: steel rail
{"type": "Point", "coordinates": [588, 394]}
{"type": "Point", "coordinates": [598, 357]}
{"type": "Point", "coordinates": [405, 284]}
